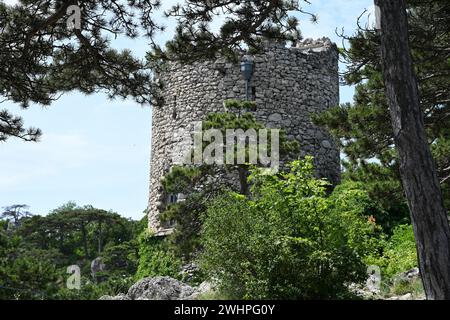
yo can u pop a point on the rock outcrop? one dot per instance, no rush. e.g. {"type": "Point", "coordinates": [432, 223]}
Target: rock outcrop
{"type": "Point", "coordinates": [160, 288]}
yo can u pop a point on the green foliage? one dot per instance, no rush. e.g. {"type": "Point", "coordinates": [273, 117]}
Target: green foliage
{"type": "Point", "coordinates": [200, 183]}
{"type": "Point", "coordinates": [399, 252]}
{"type": "Point", "coordinates": [240, 105]}
{"type": "Point", "coordinates": [386, 197]}
{"type": "Point", "coordinates": [364, 127]}
{"type": "Point", "coordinates": [121, 258]}
{"type": "Point", "coordinates": [35, 252]}
{"type": "Point", "coordinates": [290, 240]}
{"type": "Point", "coordinates": [184, 241]}
{"type": "Point", "coordinates": [155, 259]}
{"type": "Point", "coordinates": [43, 58]}
{"type": "Point", "coordinates": [92, 291]}
{"type": "Point", "coordinates": [15, 214]}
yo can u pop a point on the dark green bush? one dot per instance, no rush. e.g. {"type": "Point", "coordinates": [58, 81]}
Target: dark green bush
{"type": "Point", "coordinates": [114, 285]}
{"type": "Point", "coordinates": [290, 240]}
{"type": "Point", "coordinates": [399, 252]}
{"type": "Point", "coordinates": [155, 258]}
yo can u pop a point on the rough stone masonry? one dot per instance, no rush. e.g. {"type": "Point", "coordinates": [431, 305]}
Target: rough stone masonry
{"type": "Point", "coordinates": [288, 84]}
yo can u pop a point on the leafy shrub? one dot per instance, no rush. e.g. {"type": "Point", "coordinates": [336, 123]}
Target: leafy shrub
{"type": "Point", "coordinates": [399, 252]}
{"type": "Point", "coordinates": [413, 286]}
{"type": "Point", "coordinates": [25, 272]}
{"type": "Point", "coordinates": [289, 241]}
{"type": "Point", "coordinates": [387, 217]}
{"type": "Point", "coordinates": [121, 258]}
{"type": "Point", "coordinates": [384, 189]}
{"type": "Point", "coordinates": [155, 258]}
{"type": "Point", "coordinates": [90, 290]}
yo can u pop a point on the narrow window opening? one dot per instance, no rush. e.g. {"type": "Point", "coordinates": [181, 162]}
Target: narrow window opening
{"type": "Point", "coordinates": [173, 198]}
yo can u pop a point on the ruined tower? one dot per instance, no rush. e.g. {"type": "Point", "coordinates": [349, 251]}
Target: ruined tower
{"type": "Point", "coordinates": [287, 84]}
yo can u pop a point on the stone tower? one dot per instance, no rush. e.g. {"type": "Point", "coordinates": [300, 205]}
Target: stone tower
{"type": "Point", "coordinates": [288, 84]}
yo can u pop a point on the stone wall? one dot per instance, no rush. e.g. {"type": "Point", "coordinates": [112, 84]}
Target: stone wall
{"type": "Point", "coordinates": [288, 84]}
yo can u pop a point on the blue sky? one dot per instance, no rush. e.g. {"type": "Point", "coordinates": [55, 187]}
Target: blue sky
{"type": "Point", "coordinates": [97, 151]}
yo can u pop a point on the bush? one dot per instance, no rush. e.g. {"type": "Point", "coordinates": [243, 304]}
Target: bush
{"type": "Point", "coordinates": [121, 258]}
{"type": "Point", "coordinates": [155, 258]}
{"type": "Point", "coordinates": [90, 290]}
{"type": "Point", "coordinates": [26, 272]}
{"type": "Point", "coordinates": [399, 252]}
{"type": "Point", "coordinates": [290, 241]}
{"type": "Point", "coordinates": [403, 287]}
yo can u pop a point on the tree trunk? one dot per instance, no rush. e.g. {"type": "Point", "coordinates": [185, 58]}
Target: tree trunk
{"type": "Point", "coordinates": [100, 244]}
{"type": "Point", "coordinates": [417, 169]}
{"type": "Point", "coordinates": [243, 176]}
{"type": "Point", "coordinates": [84, 238]}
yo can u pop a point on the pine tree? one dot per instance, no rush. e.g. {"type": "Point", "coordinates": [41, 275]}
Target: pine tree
{"type": "Point", "coordinates": [417, 170]}
{"type": "Point", "coordinates": [202, 183]}
{"type": "Point", "coordinates": [364, 128]}
{"type": "Point", "coordinates": [42, 57]}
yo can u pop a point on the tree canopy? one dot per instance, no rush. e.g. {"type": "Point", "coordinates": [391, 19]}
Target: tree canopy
{"type": "Point", "coordinates": [41, 57]}
{"type": "Point", "coordinates": [364, 128]}
{"type": "Point", "coordinates": [35, 253]}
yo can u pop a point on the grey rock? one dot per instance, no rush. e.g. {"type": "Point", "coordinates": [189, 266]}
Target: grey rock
{"type": "Point", "coordinates": [118, 297]}
{"type": "Point", "coordinates": [407, 296]}
{"type": "Point", "coordinates": [97, 266]}
{"type": "Point", "coordinates": [160, 288]}
{"type": "Point", "coordinates": [275, 117]}
{"type": "Point", "coordinates": [326, 144]}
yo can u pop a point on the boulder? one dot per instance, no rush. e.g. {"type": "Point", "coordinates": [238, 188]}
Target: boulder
{"type": "Point", "coordinates": [410, 274]}
{"type": "Point", "coordinates": [118, 297]}
{"type": "Point", "coordinates": [160, 288]}
{"type": "Point", "coordinates": [97, 266]}
{"type": "Point", "coordinates": [407, 296]}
